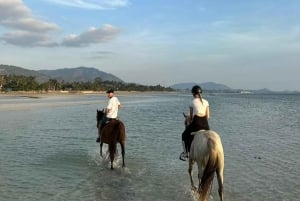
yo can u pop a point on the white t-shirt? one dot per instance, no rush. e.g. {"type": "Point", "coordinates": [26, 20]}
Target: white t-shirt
{"type": "Point", "coordinates": [199, 108]}
{"type": "Point", "coordinates": [113, 107]}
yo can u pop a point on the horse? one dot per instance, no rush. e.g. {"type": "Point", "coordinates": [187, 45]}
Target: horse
{"type": "Point", "coordinates": [207, 151]}
{"type": "Point", "coordinates": [111, 134]}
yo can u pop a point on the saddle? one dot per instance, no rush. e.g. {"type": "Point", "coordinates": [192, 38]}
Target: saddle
{"type": "Point", "coordinates": [106, 128]}
{"type": "Point", "coordinates": [199, 132]}
{"type": "Point", "coordinates": [107, 121]}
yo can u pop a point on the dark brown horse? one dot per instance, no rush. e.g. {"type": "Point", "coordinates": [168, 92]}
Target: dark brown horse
{"type": "Point", "coordinates": [111, 134]}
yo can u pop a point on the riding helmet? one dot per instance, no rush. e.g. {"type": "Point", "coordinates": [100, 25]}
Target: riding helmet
{"type": "Point", "coordinates": [196, 90]}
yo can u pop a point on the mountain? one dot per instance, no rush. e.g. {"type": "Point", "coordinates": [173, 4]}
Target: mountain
{"type": "Point", "coordinates": [15, 70]}
{"type": "Point", "coordinates": [80, 74]}
{"type": "Point", "coordinates": [205, 86]}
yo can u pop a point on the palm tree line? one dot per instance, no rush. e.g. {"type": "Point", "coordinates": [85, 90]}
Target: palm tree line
{"type": "Point", "coordinates": [28, 83]}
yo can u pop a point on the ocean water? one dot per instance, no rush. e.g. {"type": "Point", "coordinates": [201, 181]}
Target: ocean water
{"type": "Point", "coordinates": [48, 149]}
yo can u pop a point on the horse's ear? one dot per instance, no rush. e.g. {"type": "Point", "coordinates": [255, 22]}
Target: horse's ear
{"type": "Point", "coordinates": [184, 115]}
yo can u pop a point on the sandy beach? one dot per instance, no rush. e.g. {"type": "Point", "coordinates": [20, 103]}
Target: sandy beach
{"type": "Point", "coordinates": [28, 100]}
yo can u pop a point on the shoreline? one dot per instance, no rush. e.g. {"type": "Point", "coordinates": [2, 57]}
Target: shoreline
{"type": "Point", "coordinates": [37, 94]}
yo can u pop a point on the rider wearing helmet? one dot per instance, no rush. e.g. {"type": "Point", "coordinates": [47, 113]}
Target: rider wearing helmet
{"type": "Point", "coordinates": [199, 113]}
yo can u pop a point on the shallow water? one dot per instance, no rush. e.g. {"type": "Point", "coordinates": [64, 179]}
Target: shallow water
{"type": "Point", "coordinates": [48, 149]}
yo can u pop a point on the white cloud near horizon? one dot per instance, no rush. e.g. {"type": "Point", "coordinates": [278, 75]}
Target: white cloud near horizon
{"type": "Point", "coordinates": [92, 4]}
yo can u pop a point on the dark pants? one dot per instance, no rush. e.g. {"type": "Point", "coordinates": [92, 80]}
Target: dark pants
{"type": "Point", "coordinates": [198, 123]}
{"type": "Point", "coordinates": [104, 121]}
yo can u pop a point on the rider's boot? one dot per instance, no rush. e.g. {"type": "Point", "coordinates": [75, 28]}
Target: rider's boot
{"type": "Point", "coordinates": [184, 155]}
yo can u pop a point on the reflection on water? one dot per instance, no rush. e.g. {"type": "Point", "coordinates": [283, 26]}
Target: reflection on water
{"type": "Point", "coordinates": [48, 149]}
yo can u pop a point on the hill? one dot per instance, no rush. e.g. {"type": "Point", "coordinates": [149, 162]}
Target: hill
{"type": "Point", "coordinates": [79, 74]}
{"type": "Point", "coordinates": [15, 70]}
{"type": "Point", "coordinates": [209, 86]}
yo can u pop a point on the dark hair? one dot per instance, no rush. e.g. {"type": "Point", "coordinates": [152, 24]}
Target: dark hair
{"type": "Point", "coordinates": [110, 91]}
{"type": "Point", "coordinates": [196, 90]}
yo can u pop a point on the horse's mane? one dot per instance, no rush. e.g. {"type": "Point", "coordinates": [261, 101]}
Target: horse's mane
{"type": "Point", "coordinates": [100, 114]}
{"type": "Point", "coordinates": [187, 119]}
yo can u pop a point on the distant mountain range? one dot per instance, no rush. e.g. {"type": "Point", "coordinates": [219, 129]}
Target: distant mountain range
{"type": "Point", "coordinates": [80, 74]}
{"type": "Point", "coordinates": [205, 86]}
{"type": "Point", "coordinates": [88, 74]}
{"type": "Point", "coordinates": [215, 87]}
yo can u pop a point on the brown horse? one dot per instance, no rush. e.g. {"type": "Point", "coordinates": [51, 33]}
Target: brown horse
{"type": "Point", "coordinates": [111, 134]}
{"type": "Point", "coordinates": [207, 151]}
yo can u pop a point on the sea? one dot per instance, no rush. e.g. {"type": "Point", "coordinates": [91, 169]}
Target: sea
{"type": "Point", "coordinates": [48, 150]}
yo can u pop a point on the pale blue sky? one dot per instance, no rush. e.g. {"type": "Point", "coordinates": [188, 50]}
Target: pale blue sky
{"type": "Point", "coordinates": [242, 44]}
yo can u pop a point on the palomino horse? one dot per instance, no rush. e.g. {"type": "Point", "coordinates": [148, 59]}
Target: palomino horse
{"type": "Point", "coordinates": [110, 134]}
{"type": "Point", "coordinates": [207, 151]}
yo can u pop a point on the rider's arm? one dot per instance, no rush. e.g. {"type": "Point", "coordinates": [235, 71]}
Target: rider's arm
{"type": "Point", "coordinates": [207, 112]}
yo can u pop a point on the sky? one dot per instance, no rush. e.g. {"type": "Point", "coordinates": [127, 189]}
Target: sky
{"type": "Point", "coordinates": [242, 44]}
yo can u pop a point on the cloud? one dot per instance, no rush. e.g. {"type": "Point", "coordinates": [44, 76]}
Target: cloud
{"type": "Point", "coordinates": [93, 35]}
{"type": "Point", "coordinates": [101, 55]}
{"type": "Point", "coordinates": [92, 4]}
{"type": "Point", "coordinates": [27, 39]}
{"type": "Point", "coordinates": [25, 29]}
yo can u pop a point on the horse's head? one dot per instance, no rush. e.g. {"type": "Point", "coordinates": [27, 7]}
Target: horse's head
{"type": "Point", "coordinates": [186, 119]}
{"type": "Point", "coordinates": [100, 115]}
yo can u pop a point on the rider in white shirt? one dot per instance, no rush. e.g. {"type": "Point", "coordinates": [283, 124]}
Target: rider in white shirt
{"type": "Point", "coordinates": [113, 105]}
{"type": "Point", "coordinates": [199, 113]}
{"type": "Point", "coordinates": [111, 110]}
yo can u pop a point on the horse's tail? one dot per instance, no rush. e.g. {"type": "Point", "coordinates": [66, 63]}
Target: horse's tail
{"type": "Point", "coordinates": [122, 134]}
{"type": "Point", "coordinates": [209, 171]}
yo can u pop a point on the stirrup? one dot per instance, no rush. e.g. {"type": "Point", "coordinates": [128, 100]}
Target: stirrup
{"type": "Point", "coordinates": [183, 156]}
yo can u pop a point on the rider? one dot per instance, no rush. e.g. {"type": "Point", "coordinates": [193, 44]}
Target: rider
{"type": "Point", "coordinates": [111, 110]}
{"type": "Point", "coordinates": [199, 113]}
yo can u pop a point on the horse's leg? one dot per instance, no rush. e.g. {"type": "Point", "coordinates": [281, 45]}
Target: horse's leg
{"type": "Point", "coordinates": [200, 175]}
{"type": "Point", "coordinates": [219, 172]}
{"type": "Point", "coordinates": [101, 144]}
{"type": "Point", "coordinates": [191, 163]}
{"type": "Point", "coordinates": [123, 153]}
{"type": "Point", "coordinates": [112, 151]}
{"type": "Point", "coordinates": [112, 164]}
{"type": "Point", "coordinates": [99, 137]}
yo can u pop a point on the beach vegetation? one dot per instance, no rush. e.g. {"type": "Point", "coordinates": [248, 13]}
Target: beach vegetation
{"type": "Point", "coordinates": [28, 83]}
